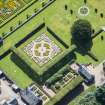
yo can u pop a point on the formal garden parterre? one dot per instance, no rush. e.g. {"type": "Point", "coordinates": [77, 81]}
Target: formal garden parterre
{"type": "Point", "coordinates": [41, 61]}
{"type": "Point", "coordinates": [42, 55]}
{"type": "Point", "coordinates": [42, 49]}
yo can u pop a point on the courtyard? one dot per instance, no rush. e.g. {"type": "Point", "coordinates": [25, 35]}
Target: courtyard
{"type": "Point", "coordinates": [98, 72]}
{"type": "Point", "coordinates": [7, 93]}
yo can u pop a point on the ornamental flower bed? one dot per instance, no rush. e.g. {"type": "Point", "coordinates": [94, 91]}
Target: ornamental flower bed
{"type": "Point", "coordinates": [8, 6]}
{"type": "Point", "coordinates": [42, 49]}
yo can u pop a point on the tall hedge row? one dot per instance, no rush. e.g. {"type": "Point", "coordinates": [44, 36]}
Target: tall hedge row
{"type": "Point", "coordinates": [70, 87]}
{"type": "Point", "coordinates": [57, 38]}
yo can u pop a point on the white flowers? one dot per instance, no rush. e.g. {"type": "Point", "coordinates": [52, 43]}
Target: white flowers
{"type": "Point", "coordinates": [42, 49]}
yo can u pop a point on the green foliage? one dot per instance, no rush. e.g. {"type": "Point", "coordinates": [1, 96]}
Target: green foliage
{"type": "Point", "coordinates": [81, 30]}
{"type": "Point", "coordinates": [94, 98]}
{"type": "Point", "coordinates": [58, 76]}
{"type": "Point", "coordinates": [100, 94]}
{"type": "Point", "coordinates": [89, 99]}
{"type": "Point", "coordinates": [70, 86]}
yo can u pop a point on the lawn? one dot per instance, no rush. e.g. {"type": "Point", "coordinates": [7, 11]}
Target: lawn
{"type": "Point", "coordinates": [41, 69]}
{"type": "Point", "coordinates": [97, 49]}
{"type": "Point", "coordinates": [14, 72]}
{"type": "Point", "coordinates": [60, 21]}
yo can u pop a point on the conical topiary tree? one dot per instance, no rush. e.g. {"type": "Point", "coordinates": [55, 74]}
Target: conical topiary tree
{"type": "Point", "coordinates": [101, 15]}
{"type": "Point", "coordinates": [1, 41]}
{"type": "Point", "coordinates": [66, 7]}
{"type": "Point", "coordinates": [96, 10]}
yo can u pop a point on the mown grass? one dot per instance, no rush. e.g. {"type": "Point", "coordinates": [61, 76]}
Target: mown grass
{"type": "Point", "coordinates": [41, 69]}
{"type": "Point", "coordinates": [60, 20]}
{"type": "Point", "coordinates": [14, 72]}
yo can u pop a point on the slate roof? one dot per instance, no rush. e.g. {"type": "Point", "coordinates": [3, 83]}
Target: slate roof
{"type": "Point", "coordinates": [83, 70]}
{"type": "Point", "coordinates": [30, 98]}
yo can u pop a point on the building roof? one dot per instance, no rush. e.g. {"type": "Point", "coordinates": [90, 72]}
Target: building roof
{"type": "Point", "coordinates": [14, 86]}
{"type": "Point", "coordinates": [30, 98]}
{"type": "Point", "coordinates": [83, 70]}
{"type": "Point", "coordinates": [11, 102]}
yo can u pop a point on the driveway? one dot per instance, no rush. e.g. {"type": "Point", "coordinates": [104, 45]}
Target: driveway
{"type": "Point", "coordinates": [7, 93]}
{"type": "Point", "coordinates": [98, 72]}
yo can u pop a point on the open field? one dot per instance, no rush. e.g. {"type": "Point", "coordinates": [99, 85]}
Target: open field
{"type": "Point", "coordinates": [60, 21]}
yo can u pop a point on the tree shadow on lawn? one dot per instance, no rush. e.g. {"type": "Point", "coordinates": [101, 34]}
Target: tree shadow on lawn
{"type": "Point", "coordinates": [82, 48]}
{"type": "Point", "coordinates": [71, 95]}
{"type": "Point", "coordinates": [25, 68]}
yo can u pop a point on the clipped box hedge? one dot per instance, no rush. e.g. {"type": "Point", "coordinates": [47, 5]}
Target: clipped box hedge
{"type": "Point", "coordinates": [69, 87]}
{"type": "Point", "coordinates": [50, 70]}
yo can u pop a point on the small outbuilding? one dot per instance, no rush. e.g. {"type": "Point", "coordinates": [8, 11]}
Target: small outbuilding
{"type": "Point", "coordinates": [84, 72]}
{"type": "Point", "coordinates": [1, 73]}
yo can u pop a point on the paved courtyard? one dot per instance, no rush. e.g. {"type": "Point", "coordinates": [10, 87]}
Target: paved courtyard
{"type": "Point", "coordinates": [7, 93]}
{"type": "Point", "coordinates": [99, 73]}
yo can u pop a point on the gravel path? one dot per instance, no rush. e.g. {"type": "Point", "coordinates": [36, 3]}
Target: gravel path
{"type": "Point", "coordinates": [99, 73]}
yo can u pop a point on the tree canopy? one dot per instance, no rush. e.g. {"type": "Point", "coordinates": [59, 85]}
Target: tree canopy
{"type": "Point", "coordinates": [100, 94]}
{"type": "Point", "coordinates": [96, 97]}
{"type": "Point", "coordinates": [81, 31]}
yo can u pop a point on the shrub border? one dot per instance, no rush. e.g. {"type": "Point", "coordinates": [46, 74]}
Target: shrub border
{"type": "Point", "coordinates": [62, 93]}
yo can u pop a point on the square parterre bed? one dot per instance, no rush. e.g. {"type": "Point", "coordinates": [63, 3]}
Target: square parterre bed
{"type": "Point", "coordinates": [42, 50]}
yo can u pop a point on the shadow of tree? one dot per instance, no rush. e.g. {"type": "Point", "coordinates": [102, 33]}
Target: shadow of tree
{"type": "Point", "coordinates": [82, 47]}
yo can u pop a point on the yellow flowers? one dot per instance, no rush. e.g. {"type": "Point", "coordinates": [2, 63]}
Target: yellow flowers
{"type": "Point", "coordinates": [1, 4]}
{"type": "Point", "coordinates": [9, 4]}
